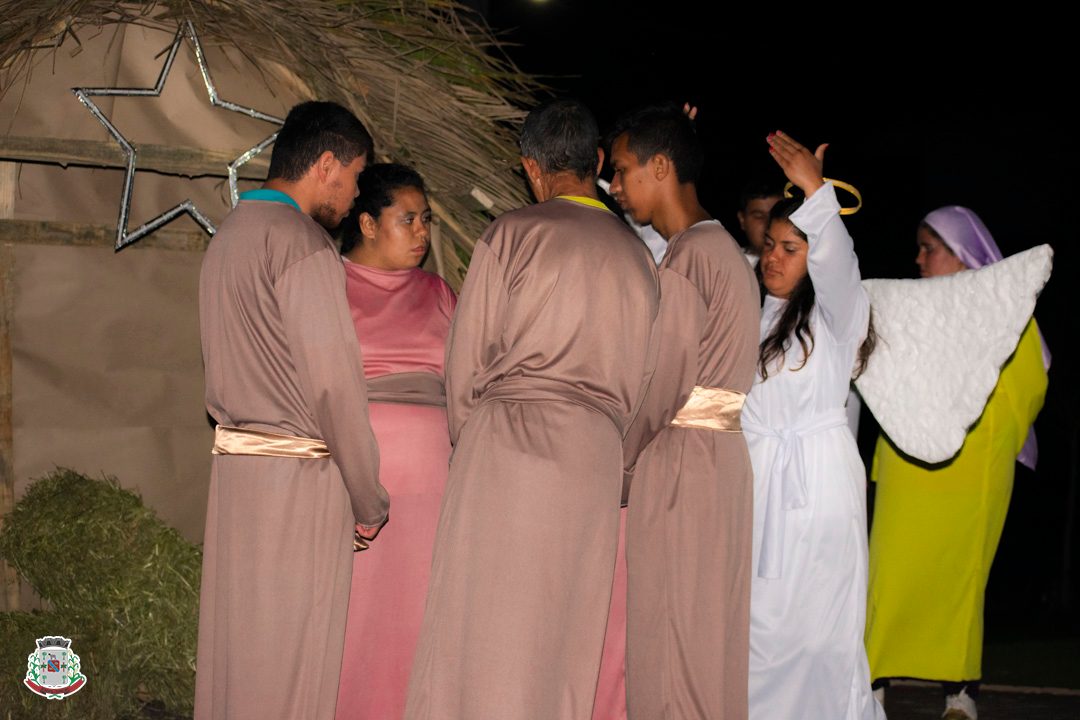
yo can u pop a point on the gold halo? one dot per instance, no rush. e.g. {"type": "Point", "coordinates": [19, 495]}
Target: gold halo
{"type": "Point", "coordinates": [843, 186]}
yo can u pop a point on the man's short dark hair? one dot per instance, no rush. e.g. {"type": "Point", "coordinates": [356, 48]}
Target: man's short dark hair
{"type": "Point", "coordinates": [562, 136]}
{"type": "Point", "coordinates": [756, 190]}
{"type": "Point", "coordinates": [663, 130]}
{"type": "Point", "coordinates": [312, 128]}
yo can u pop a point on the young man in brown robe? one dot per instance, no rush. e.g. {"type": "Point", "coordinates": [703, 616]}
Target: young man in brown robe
{"type": "Point", "coordinates": [545, 363]}
{"type": "Point", "coordinates": [295, 466]}
{"type": "Point", "coordinates": [690, 500]}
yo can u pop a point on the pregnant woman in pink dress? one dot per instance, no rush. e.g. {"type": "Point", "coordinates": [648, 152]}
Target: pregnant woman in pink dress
{"type": "Point", "coordinates": [402, 316]}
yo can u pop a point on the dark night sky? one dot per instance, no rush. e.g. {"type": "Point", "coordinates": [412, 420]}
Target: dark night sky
{"type": "Point", "coordinates": [971, 113]}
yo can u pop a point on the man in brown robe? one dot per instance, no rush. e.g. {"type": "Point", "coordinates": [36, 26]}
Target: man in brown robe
{"type": "Point", "coordinates": [690, 501]}
{"type": "Point", "coordinates": [295, 465]}
{"type": "Point", "coordinates": [545, 362]}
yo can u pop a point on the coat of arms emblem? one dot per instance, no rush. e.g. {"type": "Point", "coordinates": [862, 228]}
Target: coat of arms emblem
{"type": "Point", "coordinates": [53, 669]}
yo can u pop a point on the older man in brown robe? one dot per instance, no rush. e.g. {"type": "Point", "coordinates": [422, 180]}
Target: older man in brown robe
{"type": "Point", "coordinates": [295, 466]}
{"type": "Point", "coordinates": [690, 502]}
{"type": "Point", "coordinates": [545, 362]}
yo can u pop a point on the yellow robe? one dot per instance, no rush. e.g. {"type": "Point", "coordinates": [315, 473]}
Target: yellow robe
{"type": "Point", "coordinates": [936, 529]}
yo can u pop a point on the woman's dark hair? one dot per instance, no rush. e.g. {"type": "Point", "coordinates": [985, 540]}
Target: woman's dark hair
{"type": "Point", "coordinates": [377, 185]}
{"type": "Point", "coordinates": [795, 318]}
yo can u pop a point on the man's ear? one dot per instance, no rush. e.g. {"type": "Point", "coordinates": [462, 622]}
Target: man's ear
{"type": "Point", "coordinates": [742, 220]}
{"type": "Point", "coordinates": [599, 160]}
{"type": "Point", "coordinates": [532, 168]}
{"type": "Point", "coordinates": [661, 166]}
{"type": "Point", "coordinates": [324, 164]}
{"type": "Point", "coordinates": [533, 174]}
{"type": "Point", "coordinates": [367, 226]}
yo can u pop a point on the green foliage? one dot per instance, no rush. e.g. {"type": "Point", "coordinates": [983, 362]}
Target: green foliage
{"type": "Point", "coordinates": [121, 584]}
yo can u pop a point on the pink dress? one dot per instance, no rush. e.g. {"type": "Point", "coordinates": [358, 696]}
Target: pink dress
{"type": "Point", "coordinates": [610, 701]}
{"type": "Point", "coordinates": [402, 318]}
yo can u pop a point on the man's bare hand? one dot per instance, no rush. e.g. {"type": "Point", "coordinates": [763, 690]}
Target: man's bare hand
{"type": "Point", "coordinates": [359, 543]}
{"type": "Point", "coordinates": [802, 167]}
{"type": "Point", "coordinates": [690, 111]}
{"type": "Point", "coordinates": [363, 536]}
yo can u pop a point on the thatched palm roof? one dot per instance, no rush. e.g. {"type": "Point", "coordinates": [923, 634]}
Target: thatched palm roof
{"type": "Point", "coordinates": [427, 80]}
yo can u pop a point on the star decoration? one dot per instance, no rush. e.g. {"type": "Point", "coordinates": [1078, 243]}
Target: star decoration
{"type": "Point", "coordinates": [123, 237]}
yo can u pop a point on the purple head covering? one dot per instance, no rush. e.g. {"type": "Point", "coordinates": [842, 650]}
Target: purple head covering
{"type": "Point", "coordinates": [966, 235]}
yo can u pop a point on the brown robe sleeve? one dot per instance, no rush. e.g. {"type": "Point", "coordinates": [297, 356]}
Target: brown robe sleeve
{"type": "Point", "coordinates": [474, 334]}
{"type": "Point", "coordinates": [676, 335]}
{"type": "Point", "coordinates": [316, 319]}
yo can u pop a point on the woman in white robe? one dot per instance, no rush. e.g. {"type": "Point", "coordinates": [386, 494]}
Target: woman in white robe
{"type": "Point", "coordinates": [808, 592]}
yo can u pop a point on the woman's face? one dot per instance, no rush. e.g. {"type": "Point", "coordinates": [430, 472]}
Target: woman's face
{"type": "Point", "coordinates": [398, 239]}
{"type": "Point", "coordinates": [935, 258]}
{"type": "Point", "coordinates": [783, 260]}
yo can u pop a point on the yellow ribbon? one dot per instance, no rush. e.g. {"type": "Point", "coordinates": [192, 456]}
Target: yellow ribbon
{"type": "Point", "coordinates": [843, 186]}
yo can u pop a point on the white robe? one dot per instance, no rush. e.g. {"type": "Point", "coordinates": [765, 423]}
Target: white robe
{"type": "Point", "coordinates": [808, 593]}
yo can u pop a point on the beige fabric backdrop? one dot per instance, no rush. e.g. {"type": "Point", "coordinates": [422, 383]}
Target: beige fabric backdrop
{"type": "Point", "coordinates": [107, 371]}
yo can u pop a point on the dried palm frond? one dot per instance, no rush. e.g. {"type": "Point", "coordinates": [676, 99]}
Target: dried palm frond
{"type": "Point", "coordinates": [428, 79]}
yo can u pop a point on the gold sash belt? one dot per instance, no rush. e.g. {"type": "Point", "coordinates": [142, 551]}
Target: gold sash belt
{"type": "Point", "coordinates": [241, 441]}
{"type": "Point", "coordinates": [712, 409]}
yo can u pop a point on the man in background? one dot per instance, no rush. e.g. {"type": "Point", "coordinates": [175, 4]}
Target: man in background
{"type": "Point", "coordinates": [755, 201]}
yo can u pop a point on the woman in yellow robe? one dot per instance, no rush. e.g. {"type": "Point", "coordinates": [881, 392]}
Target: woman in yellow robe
{"type": "Point", "coordinates": [936, 527]}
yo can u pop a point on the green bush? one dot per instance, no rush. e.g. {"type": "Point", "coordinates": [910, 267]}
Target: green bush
{"type": "Point", "coordinates": [120, 583]}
